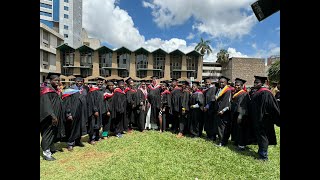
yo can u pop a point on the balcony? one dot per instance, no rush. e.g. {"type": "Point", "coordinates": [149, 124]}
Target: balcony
{"type": "Point", "coordinates": [146, 69]}
{"type": "Point", "coordinates": [180, 70]}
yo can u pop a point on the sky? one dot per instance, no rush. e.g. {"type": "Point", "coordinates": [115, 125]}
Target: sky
{"type": "Point", "coordinates": [179, 24]}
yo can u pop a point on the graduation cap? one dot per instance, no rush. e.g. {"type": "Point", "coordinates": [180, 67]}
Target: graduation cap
{"type": "Point", "coordinates": [78, 77]}
{"type": "Point", "coordinates": [166, 83]}
{"type": "Point", "coordinates": [127, 81]}
{"type": "Point", "coordinates": [174, 80]}
{"type": "Point", "coordinates": [261, 78]}
{"type": "Point", "coordinates": [109, 83]}
{"type": "Point", "coordinates": [154, 77]}
{"type": "Point", "coordinates": [99, 79]}
{"type": "Point", "coordinates": [186, 83]}
{"type": "Point", "coordinates": [224, 78]}
{"type": "Point", "coordinates": [120, 81]}
{"type": "Point", "coordinates": [206, 78]}
{"type": "Point", "coordinates": [240, 80]}
{"type": "Point", "coordinates": [196, 82]}
{"type": "Point", "coordinates": [53, 75]}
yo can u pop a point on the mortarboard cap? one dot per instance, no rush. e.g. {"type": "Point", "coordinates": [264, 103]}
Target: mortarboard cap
{"type": "Point", "coordinates": [261, 78]}
{"type": "Point", "coordinates": [120, 81]}
{"type": "Point", "coordinates": [127, 81]}
{"type": "Point", "coordinates": [224, 78]}
{"type": "Point", "coordinates": [166, 83]}
{"type": "Point", "coordinates": [186, 83]}
{"type": "Point", "coordinates": [241, 80]}
{"type": "Point", "coordinates": [196, 82]}
{"type": "Point", "coordinates": [78, 77]}
{"type": "Point", "coordinates": [110, 83]}
{"type": "Point", "coordinates": [174, 80]}
{"type": "Point", "coordinates": [100, 79]}
{"type": "Point", "coordinates": [53, 75]}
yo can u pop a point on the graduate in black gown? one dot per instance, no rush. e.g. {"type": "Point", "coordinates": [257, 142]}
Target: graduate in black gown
{"type": "Point", "coordinates": [222, 113]}
{"type": "Point", "coordinates": [106, 117]}
{"type": "Point", "coordinates": [277, 96]}
{"type": "Point", "coordinates": [185, 108]}
{"type": "Point", "coordinates": [52, 121]}
{"type": "Point", "coordinates": [196, 110]}
{"type": "Point", "coordinates": [119, 107]}
{"type": "Point", "coordinates": [131, 115]}
{"type": "Point", "coordinates": [142, 104]}
{"type": "Point", "coordinates": [209, 93]}
{"type": "Point", "coordinates": [265, 113]}
{"type": "Point", "coordinates": [79, 85]}
{"type": "Point", "coordinates": [239, 113]}
{"type": "Point", "coordinates": [176, 107]}
{"type": "Point", "coordinates": [154, 99]}
{"type": "Point", "coordinates": [165, 106]}
{"type": "Point", "coordinates": [96, 108]}
{"type": "Point", "coordinates": [75, 105]}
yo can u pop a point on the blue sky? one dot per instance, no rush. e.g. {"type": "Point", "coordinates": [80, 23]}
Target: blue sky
{"type": "Point", "coordinates": [179, 24]}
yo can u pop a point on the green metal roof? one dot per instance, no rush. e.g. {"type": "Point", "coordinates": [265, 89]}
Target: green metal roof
{"type": "Point", "coordinates": [123, 50]}
{"type": "Point", "coordinates": [141, 51]}
{"type": "Point", "coordinates": [177, 51]}
{"type": "Point", "coordinates": [65, 47]}
{"type": "Point", "coordinates": [85, 48]}
{"type": "Point", "coordinates": [160, 51]}
{"type": "Point", "coordinates": [104, 49]}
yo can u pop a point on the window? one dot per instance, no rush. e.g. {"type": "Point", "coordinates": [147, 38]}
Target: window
{"type": "Point", "coordinates": [67, 71]}
{"type": "Point", "coordinates": [86, 59]}
{"type": "Point", "coordinates": [122, 60]}
{"type": "Point", "coordinates": [123, 73]}
{"type": "Point", "coordinates": [192, 64]}
{"type": "Point", "coordinates": [66, 27]}
{"type": "Point", "coordinates": [105, 59]}
{"type": "Point", "coordinates": [141, 63]}
{"type": "Point", "coordinates": [66, 16]}
{"type": "Point", "coordinates": [66, 8]}
{"type": "Point", "coordinates": [105, 72]}
{"type": "Point", "coordinates": [45, 36]}
{"type": "Point", "coordinates": [86, 72]}
{"type": "Point", "coordinates": [65, 35]}
{"type": "Point", "coordinates": [45, 60]}
{"type": "Point", "coordinates": [45, 14]}
{"type": "Point", "coordinates": [68, 58]}
{"type": "Point", "coordinates": [159, 63]}
{"type": "Point", "coordinates": [175, 64]}
{"type": "Point", "coordinates": [66, 1]}
{"type": "Point", "coordinates": [46, 5]}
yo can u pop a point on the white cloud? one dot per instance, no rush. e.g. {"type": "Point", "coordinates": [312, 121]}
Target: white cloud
{"type": "Point", "coordinates": [190, 36]}
{"type": "Point", "coordinates": [233, 53]}
{"type": "Point", "coordinates": [227, 18]}
{"type": "Point", "coordinates": [275, 51]}
{"type": "Point", "coordinates": [107, 22]}
{"type": "Point", "coordinates": [254, 45]}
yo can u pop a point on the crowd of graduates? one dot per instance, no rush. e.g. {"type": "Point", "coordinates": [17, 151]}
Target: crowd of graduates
{"type": "Point", "coordinates": [221, 109]}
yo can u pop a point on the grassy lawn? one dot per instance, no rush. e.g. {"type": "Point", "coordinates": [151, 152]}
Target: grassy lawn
{"type": "Point", "coordinates": [151, 155]}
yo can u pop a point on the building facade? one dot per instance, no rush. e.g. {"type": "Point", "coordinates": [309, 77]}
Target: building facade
{"type": "Point", "coordinates": [49, 13]}
{"type": "Point", "coordinates": [211, 70]}
{"type": "Point", "coordinates": [244, 68]}
{"type": "Point", "coordinates": [70, 22]}
{"type": "Point", "coordinates": [49, 40]}
{"type": "Point", "coordinates": [91, 42]}
{"type": "Point", "coordinates": [122, 63]}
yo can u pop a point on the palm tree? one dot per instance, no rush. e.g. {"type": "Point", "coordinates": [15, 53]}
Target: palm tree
{"type": "Point", "coordinates": [274, 71]}
{"type": "Point", "coordinates": [203, 47]}
{"type": "Point", "coordinates": [223, 57]}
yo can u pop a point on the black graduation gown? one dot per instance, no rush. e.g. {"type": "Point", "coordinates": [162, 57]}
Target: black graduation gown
{"type": "Point", "coordinates": [95, 103]}
{"type": "Point", "coordinates": [106, 120]}
{"type": "Point", "coordinates": [277, 96]}
{"type": "Point", "coordinates": [264, 112]}
{"type": "Point", "coordinates": [223, 122]}
{"type": "Point", "coordinates": [74, 105]}
{"type": "Point", "coordinates": [240, 132]}
{"type": "Point", "coordinates": [210, 99]}
{"type": "Point", "coordinates": [51, 106]}
{"type": "Point", "coordinates": [166, 106]}
{"type": "Point", "coordinates": [186, 105]}
{"type": "Point", "coordinates": [119, 110]}
{"type": "Point", "coordinates": [196, 114]}
{"type": "Point", "coordinates": [141, 109]}
{"type": "Point", "coordinates": [131, 107]}
{"type": "Point", "coordinates": [155, 100]}
{"type": "Point", "coordinates": [176, 107]}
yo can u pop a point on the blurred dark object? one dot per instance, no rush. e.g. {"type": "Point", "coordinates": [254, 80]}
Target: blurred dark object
{"type": "Point", "coordinates": [265, 8]}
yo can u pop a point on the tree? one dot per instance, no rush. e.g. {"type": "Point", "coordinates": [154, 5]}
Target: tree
{"type": "Point", "coordinates": [223, 57]}
{"type": "Point", "coordinates": [203, 47]}
{"type": "Point", "coordinates": [274, 71]}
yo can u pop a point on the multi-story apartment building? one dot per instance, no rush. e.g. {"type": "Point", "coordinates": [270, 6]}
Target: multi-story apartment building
{"type": "Point", "coordinates": [122, 63]}
{"type": "Point", "coordinates": [49, 40]}
{"type": "Point", "coordinates": [211, 70]}
{"type": "Point", "coordinates": [65, 17]}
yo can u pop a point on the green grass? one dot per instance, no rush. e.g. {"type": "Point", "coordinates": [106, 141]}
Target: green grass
{"type": "Point", "coordinates": [151, 155]}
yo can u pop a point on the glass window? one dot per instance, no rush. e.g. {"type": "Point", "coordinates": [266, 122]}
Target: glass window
{"type": "Point", "coordinates": [66, 27]}
{"type": "Point", "coordinates": [65, 35]}
{"type": "Point", "coordinates": [66, 1]}
{"type": "Point", "coordinates": [105, 59]}
{"type": "Point", "coordinates": [175, 63]}
{"type": "Point", "coordinates": [159, 63]}
{"type": "Point", "coordinates": [123, 60]}
{"type": "Point", "coordinates": [66, 16]}
{"type": "Point", "coordinates": [45, 14]}
{"type": "Point", "coordinates": [66, 8]}
{"type": "Point", "coordinates": [192, 64]}
{"type": "Point", "coordinates": [46, 5]}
